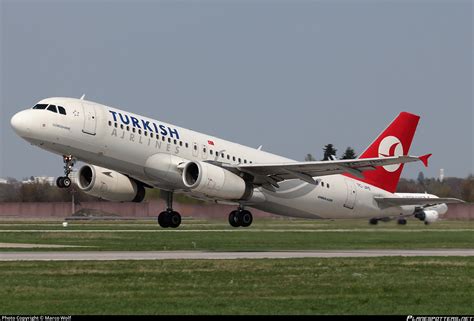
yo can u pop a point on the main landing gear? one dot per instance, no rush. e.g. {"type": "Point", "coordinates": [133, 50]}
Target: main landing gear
{"type": "Point", "coordinates": [65, 181]}
{"type": "Point", "coordinates": [169, 218]}
{"type": "Point", "coordinates": [374, 221]}
{"type": "Point", "coordinates": [240, 217]}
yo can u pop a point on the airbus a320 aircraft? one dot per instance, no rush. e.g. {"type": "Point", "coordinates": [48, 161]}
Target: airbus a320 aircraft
{"type": "Point", "coordinates": [128, 153]}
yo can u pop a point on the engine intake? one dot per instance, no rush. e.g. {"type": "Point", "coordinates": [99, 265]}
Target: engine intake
{"type": "Point", "coordinates": [110, 185]}
{"type": "Point", "coordinates": [215, 181]}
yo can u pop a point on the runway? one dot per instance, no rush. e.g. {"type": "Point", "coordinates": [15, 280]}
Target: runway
{"type": "Point", "coordinates": [199, 255]}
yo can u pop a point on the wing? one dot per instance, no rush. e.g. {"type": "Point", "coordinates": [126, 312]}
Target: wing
{"type": "Point", "coordinates": [274, 173]}
{"type": "Point", "coordinates": [385, 202]}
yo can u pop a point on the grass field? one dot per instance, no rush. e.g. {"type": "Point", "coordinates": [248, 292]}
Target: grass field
{"type": "Point", "coordinates": [389, 285]}
{"type": "Point", "coordinates": [263, 235]}
{"type": "Point", "coordinates": [300, 286]}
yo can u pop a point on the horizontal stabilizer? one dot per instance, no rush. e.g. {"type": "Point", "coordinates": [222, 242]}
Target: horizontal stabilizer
{"type": "Point", "coordinates": [385, 202]}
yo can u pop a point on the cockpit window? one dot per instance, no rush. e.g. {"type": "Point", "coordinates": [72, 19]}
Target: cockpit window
{"type": "Point", "coordinates": [52, 108]}
{"type": "Point", "coordinates": [62, 110]}
{"type": "Point", "coordinates": [40, 106]}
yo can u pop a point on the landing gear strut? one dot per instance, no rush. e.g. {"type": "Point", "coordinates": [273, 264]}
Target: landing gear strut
{"type": "Point", "coordinates": [240, 217]}
{"type": "Point", "coordinates": [169, 218]}
{"type": "Point", "coordinates": [65, 181]}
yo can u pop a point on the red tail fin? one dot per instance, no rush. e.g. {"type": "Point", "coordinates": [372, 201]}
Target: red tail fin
{"type": "Point", "coordinates": [395, 140]}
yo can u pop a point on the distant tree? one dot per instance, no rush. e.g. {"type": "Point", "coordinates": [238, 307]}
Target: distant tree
{"type": "Point", "coordinates": [467, 189]}
{"type": "Point", "coordinates": [329, 150]}
{"type": "Point", "coordinates": [349, 154]}
{"type": "Point", "coordinates": [309, 158]}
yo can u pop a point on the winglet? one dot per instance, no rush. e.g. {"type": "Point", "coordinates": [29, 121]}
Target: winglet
{"type": "Point", "coordinates": [82, 97]}
{"type": "Point", "coordinates": [424, 159]}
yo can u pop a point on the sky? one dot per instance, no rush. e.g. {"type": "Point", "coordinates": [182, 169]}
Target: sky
{"type": "Point", "coordinates": [289, 75]}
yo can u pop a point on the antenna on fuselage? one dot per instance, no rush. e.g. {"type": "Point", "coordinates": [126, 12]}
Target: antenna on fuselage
{"type": "Point", "coordinates": [260, 147]}
{"type": "Point", "coordinates": [82, 97]}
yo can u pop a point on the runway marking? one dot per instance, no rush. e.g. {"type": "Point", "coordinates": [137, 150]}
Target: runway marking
{"type": "Point", "coordinates": [31, 245]}
{"type": "Point", "coordinates": [66, 230]}
{"type": "Point", "coordinates": [198, 255]}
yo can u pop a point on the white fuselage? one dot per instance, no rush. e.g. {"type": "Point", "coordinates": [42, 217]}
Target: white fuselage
{"type": "Point", "coordinates": [125, 142]}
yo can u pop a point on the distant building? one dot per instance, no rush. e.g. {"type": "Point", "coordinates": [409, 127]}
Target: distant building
{"type": "Point", "coordinates": [41, 180]}
{"type": "Point", "coordinates": [45, 180]}
{"type": "Point", "coordinates": [3, 181]}
{"type": "Point", "coordinates": [441, 175]}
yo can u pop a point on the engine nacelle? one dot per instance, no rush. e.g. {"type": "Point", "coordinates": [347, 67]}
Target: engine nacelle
{"type": "Point", "coordinates": [110, 185]}
{"type": "Point", "coordinates": [215, 181]}
{"type": "Point", "coordinates": [428, 216]}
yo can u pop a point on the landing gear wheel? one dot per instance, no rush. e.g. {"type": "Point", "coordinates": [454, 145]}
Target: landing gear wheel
{"type": "Point", "coordinates": [234, 219]}
{"type": "Point", "coordinates": [174, 219]}
{"type": "Point", "coordinates": [373, 221]}
{"type": "Point", "coordinates": [66, 182]}
{"type": "Point", "coordinates": [240, 218]}
{"type": "Point", "coordinates": [59, 182]}
{"type": "Point", "coordinates": [402, 221]}
{"type": "Point", "coordinates": [245, 218]}
{"type": "Point", "coordinates": [163, 219]}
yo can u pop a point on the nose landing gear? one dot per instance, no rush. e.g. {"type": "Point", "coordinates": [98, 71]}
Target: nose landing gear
{"type": "Point", "coordinates": [65, 181]}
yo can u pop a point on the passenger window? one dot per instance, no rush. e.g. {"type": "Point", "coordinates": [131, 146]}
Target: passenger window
{"type": "Point", "coordinates": [175, 141]}
{"type": "Point", "coordinates": [222, 155]}
{"type": "Point", "coordinates": [186, 144]}
{"type": "Point", "coordinates": [169, 140]}
{"type": "Point", "coordinates": [211, 152]}
{"type": "Point", "coordinates": [240, 161]}
{"type": "Point", "coordinates": [145, 133]}
{"type": "Point", "coordinates": [233, 158]}
{"type": "Point", "coordinates": [139, 132]}
{"type": "Point", "coordinates": [128, 128]}
{"type": "Point", "coordinates": [151, 135]}
{"type": "Point", "coordinates": [228, 156]}
{"type": "Point", "coordinates": [322, 184]}
{"type": "Point", "coordinates": [115, 125]}
{"type": "Point", "coordinates": [40, 106]}
{"type": "Point", "coordinates": [327, 185]}
{"type": "Point", "coordinates": [121, 126]}
{"type": "Point", "coordinates": [110, 123]}
{"type": "Point", "coordinates": [52, 108]}
{"type": "Point", "coordinates": [62, 110]}
{"type": "Point", "coordinates": [133, 129]}
{"type": "Point", "coordinates": [163, 138]}
{"type": "Point", "coordinates": [180, 143]}
{"type": "Point", "coordinates": [204, 149]}
{"type": "Point", "coordinates": [245, 161]}
{"type": "Point", "coordinates": [195, 147]}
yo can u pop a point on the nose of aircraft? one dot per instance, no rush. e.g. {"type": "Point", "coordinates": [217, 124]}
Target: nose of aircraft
{"type": "Point", "coordinates": [21, 122]}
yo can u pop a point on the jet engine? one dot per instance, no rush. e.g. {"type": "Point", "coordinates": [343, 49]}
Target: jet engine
{"type": "Point", "coordinates": [110, 185]}
{"type": "Point", "coordinates": [215, 181]}
{"type": "Point", "coordinates": [428, 216]}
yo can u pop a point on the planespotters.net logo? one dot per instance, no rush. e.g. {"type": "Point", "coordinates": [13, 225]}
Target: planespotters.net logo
{"type": "Point", "coordinates": [391, 146]}
{"type": "Point", "coordinates": [440, 318]}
